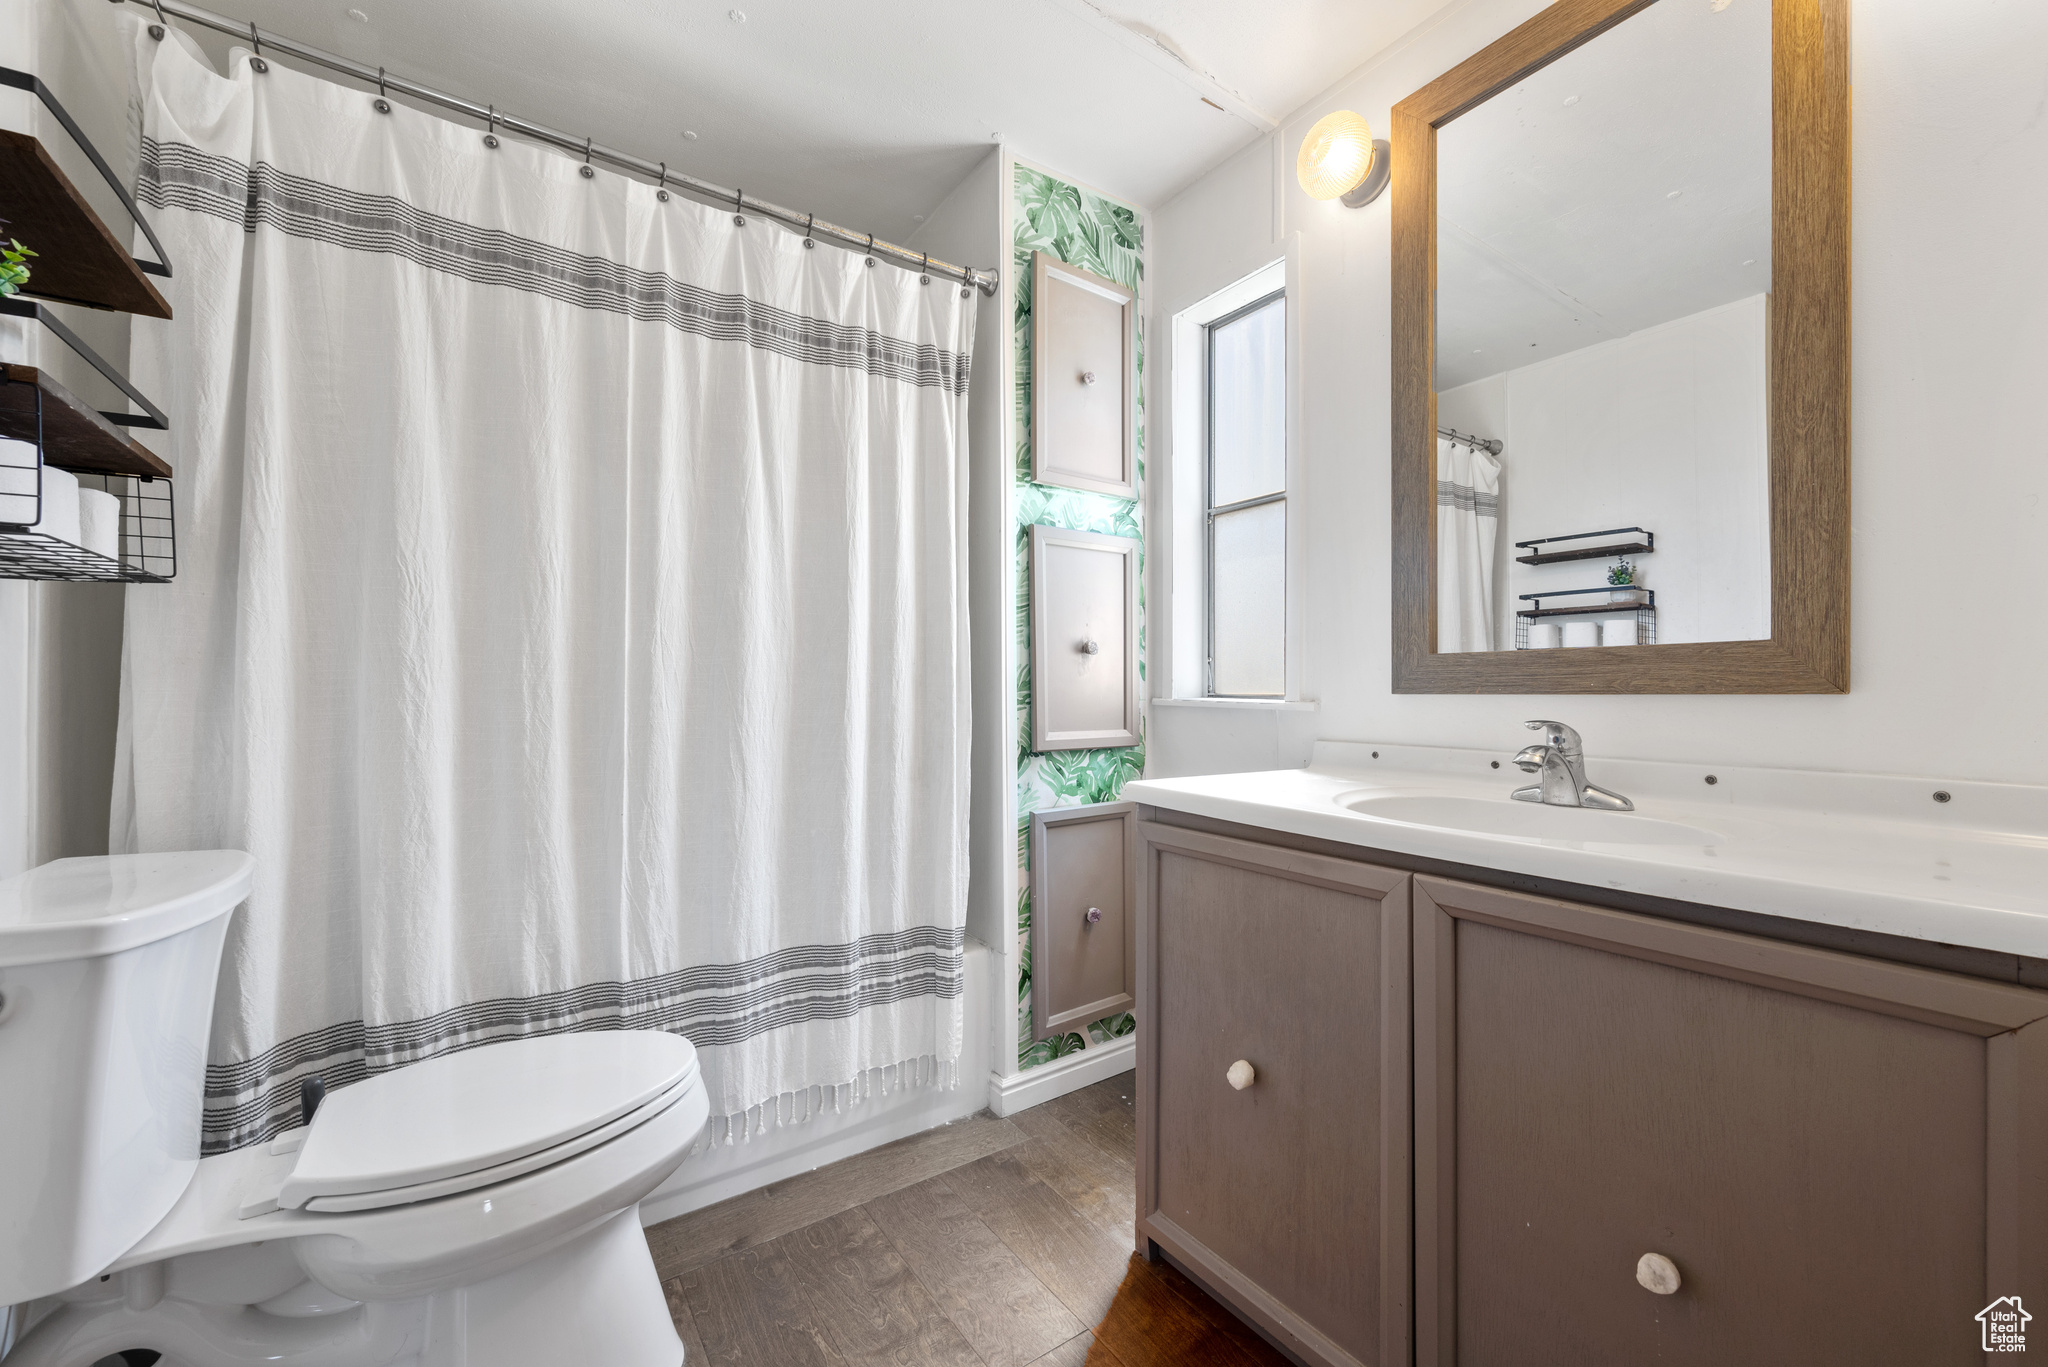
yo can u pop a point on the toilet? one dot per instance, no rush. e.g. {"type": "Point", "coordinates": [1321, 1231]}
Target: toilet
{"type": "Point", "coordinates": [477, 1208]}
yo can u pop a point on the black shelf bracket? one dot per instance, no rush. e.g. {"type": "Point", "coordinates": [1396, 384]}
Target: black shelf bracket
{"type": "Point", "coordinates": [23, 80]}
{"type": "Point", "coordinates": [151, 417]}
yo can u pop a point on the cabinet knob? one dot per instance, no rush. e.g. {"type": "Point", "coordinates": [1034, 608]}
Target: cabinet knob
{"type": "Point", "coordinates": [1657, 1273]}
{"type": "Point", "coordinates": [1089, 647]}
{"type": "Point", "coordinates": [1241, 1075]}
{"type": "Point", "coordinates": [1087, 377]}
{"type": "Point", "coordinates": [1093, 916]}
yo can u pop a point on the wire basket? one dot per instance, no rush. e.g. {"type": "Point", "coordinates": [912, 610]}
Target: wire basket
{"type": "Point", "coordinates": [146, 551]}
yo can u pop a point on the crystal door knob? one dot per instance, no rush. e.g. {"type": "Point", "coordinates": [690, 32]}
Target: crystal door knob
{"type": "Point", "coordinates": [1655, 1272]}
{"type": "Point", "coordinates": [1087, 377]}
{"type": "Point", "coordinates": [1093, 916]}
{"type": "Point", "coordinates": [1241, 1075]}
{"type": "Point", "coordinates": [1090, 647]}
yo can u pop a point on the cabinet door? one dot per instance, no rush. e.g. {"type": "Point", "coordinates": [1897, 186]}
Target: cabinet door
{"type": "Point", "coordinates": [1844, 1160]}
{"type": "Point", "coordinates": [1288, 1196]}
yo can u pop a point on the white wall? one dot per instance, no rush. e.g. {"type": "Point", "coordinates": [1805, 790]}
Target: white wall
{"type": "Point", "coordinates": [60, 644]}
{"type": "Point", "coordinates": [1950, 344]}
{"type": "Point", "coordinates": [967, 230]}
{"type": "Point", "coordinates": [1664, 429]}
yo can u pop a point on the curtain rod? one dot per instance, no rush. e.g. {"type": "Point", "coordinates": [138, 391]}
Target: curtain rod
{"type": "Point", "coordinates": [811, 224]}
{"type": "Point", "coordinates": [1491, 445]}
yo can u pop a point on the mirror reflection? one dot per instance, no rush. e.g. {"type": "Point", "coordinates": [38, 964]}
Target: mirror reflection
{"type": "Point", "coordinates": [1603, 285]}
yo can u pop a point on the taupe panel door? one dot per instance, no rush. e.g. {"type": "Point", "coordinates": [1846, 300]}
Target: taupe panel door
{"type": "Point", "coordinates": [1826, 1149]}
{"type": "Point", "coordinates": [1288, 1195]}
{"type": "Point", "coordinates": [1084, 640]}
{"type": "Point", "coordinates": [1084, 952]}
{"type": "Point", "coordinates": [1083, 354]}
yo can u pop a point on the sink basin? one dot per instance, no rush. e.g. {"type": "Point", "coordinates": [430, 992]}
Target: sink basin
{"type": "Point", "coordinates": [1531, 821]}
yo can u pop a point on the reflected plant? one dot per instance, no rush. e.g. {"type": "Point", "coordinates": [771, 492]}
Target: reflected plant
{"type": "Point", "coordinates": [13, 268]}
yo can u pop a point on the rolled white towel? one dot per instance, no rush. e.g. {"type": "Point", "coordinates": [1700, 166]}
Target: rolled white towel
{"type": "Point", "coordinates": [1618, 633]}
{"type": "Point", "coordinates": [99, 522]}
{"type": "Point", "coordinates": [1543, 636]}
{"type": "Point", "coordinates": [60, 505]}
{"type": "Point", "coordinates": [1581, 634]}
{"type": "Point", "coordinates": [17, 482]}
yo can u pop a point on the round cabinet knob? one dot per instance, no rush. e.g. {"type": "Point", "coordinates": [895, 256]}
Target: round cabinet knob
{"type": "Point", "coordinates": [1657, 1273]}
{"type": "Point", "coordinates": [1093, 916]}
{"type": "Point", "coordinates": [1087, 377]}
{"type": "Point", "coordinates": [1241, 1075]}
{"type": "Point", "coordinates": [1090, 647]}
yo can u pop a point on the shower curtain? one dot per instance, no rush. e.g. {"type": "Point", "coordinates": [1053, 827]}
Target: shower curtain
{"type": "Point", "coordinates": [570, 614]}
{"type": "Point", "coordinates": [1467, 520]}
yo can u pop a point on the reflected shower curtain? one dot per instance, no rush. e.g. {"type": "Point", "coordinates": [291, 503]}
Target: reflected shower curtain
{"type": "Point", "coordinates": [1467, 521]}
{"type": "Point", "coordinates": [570, 614]}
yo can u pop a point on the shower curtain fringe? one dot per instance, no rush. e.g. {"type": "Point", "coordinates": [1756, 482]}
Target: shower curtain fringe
{"type": "Point", "coordinates": [782, 1111]}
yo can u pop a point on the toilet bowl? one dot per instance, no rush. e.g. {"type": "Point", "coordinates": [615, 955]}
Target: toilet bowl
{"type": "Point", "coordinates": [480, 1207]}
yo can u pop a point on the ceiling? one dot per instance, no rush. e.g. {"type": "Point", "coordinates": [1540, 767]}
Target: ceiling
{"type": "Point", "coordinates": [870, 114]}
{"type": "Point", "coordinates": [1624, 185]}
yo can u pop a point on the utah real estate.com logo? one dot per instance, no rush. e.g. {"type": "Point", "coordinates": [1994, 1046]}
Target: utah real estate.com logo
{"type": "Point", "coordinates": [2005, 1325]}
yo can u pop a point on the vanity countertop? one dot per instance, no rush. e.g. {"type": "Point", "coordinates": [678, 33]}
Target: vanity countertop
{"type": "Point", "coordinates": [1875, 852]}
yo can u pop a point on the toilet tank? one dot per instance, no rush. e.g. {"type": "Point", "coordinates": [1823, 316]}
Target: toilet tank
{"type": "Point", "coordinates": [107, 970]}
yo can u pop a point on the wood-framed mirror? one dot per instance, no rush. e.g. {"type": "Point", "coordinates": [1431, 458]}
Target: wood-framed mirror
{"type": "Point", "coordinates": [1621, 329]}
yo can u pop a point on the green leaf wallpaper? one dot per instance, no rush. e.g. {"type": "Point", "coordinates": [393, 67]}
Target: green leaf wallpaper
{"type": "Point", "coordinates": [1100, 235]}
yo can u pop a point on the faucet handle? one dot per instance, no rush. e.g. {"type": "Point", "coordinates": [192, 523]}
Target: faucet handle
{"type": "Point", "coordinates": [1558, 734]}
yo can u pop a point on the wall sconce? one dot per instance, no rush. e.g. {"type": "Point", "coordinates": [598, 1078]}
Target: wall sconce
{"type": "Point", "coordinates": [1340, 159]}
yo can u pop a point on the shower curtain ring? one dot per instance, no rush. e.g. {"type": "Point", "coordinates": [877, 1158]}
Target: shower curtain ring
{"type": "Point", "coordinates": [380, 104]}
{"type": "Point", "coordinates": [491, 129]}
{"type": "Point", "coordinates": [256, 62]}
{"type": "Point", "coordinates": [587, 171]}
{"type": "Point", "coordinates": [661, 186]}
{"type": "Point", "coordinates": [739, 202]}
{"type": "Point", "coordinates": [871, 251]}
{"type": "Point", "coordinates": [925, 272]}
{"type": "Point", "coordinates": [809, 223]}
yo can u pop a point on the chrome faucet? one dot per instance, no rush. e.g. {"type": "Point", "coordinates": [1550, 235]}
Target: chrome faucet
{"type": "Point", "coordinates": [1561, 763]}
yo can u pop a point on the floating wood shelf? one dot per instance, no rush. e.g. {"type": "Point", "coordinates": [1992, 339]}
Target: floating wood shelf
{"type": "Point", "coordinates": [74, 435]}
{"type": "Point", "coordinates": [1589, 553]}
{"type": "Point", "coordinates": [78, 259]}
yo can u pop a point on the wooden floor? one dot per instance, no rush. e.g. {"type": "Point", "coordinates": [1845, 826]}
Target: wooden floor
{"type": "Point", "coordinates": [998, 1242]}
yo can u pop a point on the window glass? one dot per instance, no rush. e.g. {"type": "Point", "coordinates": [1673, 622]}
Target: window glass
{"type": "Point", "coordinates": [1248, 595]}
{"type": "Point", "coordinates": [1247, 394]}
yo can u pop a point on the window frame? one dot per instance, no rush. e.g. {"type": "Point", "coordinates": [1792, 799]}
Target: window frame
{"type": "Point", "coordinates": [1210, 509]}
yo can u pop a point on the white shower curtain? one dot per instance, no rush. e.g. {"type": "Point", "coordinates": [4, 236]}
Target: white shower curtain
{"type": "Point", "coordinates": [1467, 521]}
{"type": "Point", "coordinates": [570, 610]}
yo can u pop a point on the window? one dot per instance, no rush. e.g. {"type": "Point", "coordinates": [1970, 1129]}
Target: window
{"type": "Point", "coordinates": [1245, 500]}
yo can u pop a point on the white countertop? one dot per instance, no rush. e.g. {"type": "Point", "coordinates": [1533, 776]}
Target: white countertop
{"type": "Point", "coordinates": [1869, 851]}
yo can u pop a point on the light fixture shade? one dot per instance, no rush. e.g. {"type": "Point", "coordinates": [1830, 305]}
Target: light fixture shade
{"type": "Point", "coordinates": [1336, 156]}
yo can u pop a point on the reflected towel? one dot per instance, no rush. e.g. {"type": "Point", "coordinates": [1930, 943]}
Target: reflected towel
{"type": "Point", "coordinates": [99, 522]}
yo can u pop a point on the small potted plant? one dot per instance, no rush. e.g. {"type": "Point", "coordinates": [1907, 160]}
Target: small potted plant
{"type": "Point", "coordinates": [13, 267]}
{"type": "Point", "coordinates": [1621, 579]}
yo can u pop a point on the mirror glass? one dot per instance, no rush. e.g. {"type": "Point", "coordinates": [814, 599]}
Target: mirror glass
{"type": "Point", "coordinates": [1603, 288]}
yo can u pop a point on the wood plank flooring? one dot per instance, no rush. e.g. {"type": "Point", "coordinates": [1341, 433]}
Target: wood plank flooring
{"type": "Point", "coordinates": [988, 1243]}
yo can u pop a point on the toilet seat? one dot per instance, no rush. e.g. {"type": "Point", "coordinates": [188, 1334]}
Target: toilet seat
{"type": "Point", "coordinates": [472, 1119]}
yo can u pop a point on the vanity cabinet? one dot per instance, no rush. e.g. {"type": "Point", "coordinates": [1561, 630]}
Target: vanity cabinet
{"type": "Point", "coordinates": [1273, 1086]}
{"type": "Point", "coordinates": [1843, 1159]}
{"type": "Point", "coordinates": [1837, 1155]}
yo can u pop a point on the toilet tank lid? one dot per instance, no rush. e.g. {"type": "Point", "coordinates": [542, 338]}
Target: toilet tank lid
{"type": "Point", "coordinates": [103, 904]}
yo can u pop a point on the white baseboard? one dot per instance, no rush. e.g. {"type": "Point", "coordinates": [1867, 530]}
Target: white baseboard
{"type": "Point", "coordinates": [1016, 1092]}
{"type": "Point", "coordinates": [728, 1170]}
